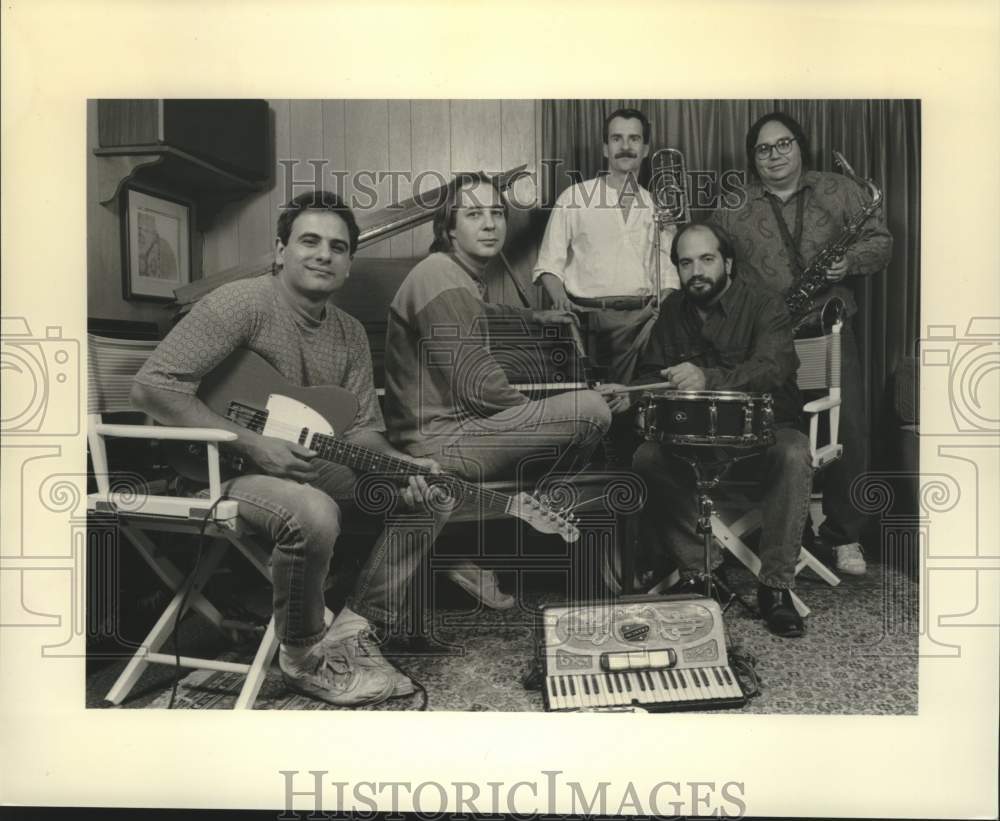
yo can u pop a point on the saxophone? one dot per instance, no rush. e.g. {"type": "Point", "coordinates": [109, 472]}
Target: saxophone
{"type": "Point", "coordinates": [799, 298]}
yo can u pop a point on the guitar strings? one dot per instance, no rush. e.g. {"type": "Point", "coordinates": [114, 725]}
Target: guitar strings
{"type": "Point", "coordinates": [256, 419]}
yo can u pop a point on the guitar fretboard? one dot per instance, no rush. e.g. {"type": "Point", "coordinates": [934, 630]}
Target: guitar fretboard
{"type": "Point", "coordinates": [367, 460]}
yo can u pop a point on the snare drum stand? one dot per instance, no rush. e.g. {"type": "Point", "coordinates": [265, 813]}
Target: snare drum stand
{"type": "Point", "coordinates": [708, 474]}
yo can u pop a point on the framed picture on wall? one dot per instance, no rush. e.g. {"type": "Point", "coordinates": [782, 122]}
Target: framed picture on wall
{"type": "Point", "coordinates": [156, 245]}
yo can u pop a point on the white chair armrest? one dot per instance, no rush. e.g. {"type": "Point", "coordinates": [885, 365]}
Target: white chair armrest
{"type": "Point", "coordinates": [157, 432]}
{"type": "Point", "coordinates": [825, 455]}
{"type": "Point", "coordinates": [824, 403]}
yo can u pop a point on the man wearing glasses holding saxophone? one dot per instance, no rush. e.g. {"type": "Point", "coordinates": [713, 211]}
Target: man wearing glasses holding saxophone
{"type": "Point", "coordinates": [790, 216]}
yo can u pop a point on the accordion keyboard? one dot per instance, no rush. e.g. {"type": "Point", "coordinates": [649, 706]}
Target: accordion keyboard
{"type": "Point", "coordinates": [660, 654]}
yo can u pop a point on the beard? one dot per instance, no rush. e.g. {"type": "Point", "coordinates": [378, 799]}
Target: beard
{"type": "Point", "coordinates": [704, 296]}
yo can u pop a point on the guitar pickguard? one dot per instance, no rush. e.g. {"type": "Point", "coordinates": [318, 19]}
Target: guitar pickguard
{"type": "Point", "coordinates": [287, 417]}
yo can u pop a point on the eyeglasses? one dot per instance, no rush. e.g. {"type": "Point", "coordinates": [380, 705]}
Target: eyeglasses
{"type": "Point", "coordinates": [763, 150]}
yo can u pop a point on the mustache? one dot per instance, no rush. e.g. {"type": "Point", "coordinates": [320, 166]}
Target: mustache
{"type": "Point", "coordinates": [630, 154]}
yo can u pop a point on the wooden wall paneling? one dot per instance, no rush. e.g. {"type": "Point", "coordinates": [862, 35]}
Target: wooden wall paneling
{"type": "Point", "coordinates": [335, 144]}
{"type": "Point", "coordinates": [518, 147]}
{"type": "Point", "coordinates": [305, 142]}
{"type": "Point", "coordinates": [475, 135]}
{"type": "Point", "coordinates": [282, 150]}
{"type": "Point", "coordinates": [400, 160]}
{"type": "Point", "coordinates": [256, 226]}
{"type": "Point", "coordinates": [221, 248]}
{"type": "Point", "coordinates": [367, 146]}
{"type": "Point", "coordinates": [430, 124]}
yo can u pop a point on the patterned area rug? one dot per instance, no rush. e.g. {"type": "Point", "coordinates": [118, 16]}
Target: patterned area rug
{"type": "Point", "coordinates": [858, 656]}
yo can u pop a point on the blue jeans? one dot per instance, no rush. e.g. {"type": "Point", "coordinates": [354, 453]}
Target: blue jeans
{"type": "Point", "coordinates": [784, 475]}
{"type": "Point", "coordinates": [303, 521]}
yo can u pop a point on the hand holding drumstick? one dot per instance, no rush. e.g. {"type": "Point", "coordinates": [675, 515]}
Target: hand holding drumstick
{"type": "Point", "coordinates": [682, 377]}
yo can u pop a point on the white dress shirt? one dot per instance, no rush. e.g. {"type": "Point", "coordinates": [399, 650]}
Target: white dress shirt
{"type": "Point", "coordinates": [596, 251]}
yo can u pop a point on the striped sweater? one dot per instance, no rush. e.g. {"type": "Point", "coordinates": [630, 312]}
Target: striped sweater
{"type": "Point", "coordinates": [439, 372]}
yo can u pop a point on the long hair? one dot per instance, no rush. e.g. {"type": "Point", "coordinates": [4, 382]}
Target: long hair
{"type": "Point", "coordinates": [444, 217]}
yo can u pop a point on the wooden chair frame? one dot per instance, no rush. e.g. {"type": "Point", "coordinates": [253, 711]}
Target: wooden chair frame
{"type": "Point", "coordinates": [112, 364]}
{"type": "Point", "coordinates": [819, 370]}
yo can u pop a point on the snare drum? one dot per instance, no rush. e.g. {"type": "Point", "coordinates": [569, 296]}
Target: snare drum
{"type": "Point", "coordinates": [706, 418]}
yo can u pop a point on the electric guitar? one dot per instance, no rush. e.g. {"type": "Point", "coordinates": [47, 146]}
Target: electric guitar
{"type": "Point", "coordinates": [250, 392]}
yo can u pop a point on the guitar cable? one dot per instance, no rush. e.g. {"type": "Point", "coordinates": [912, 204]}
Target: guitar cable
{"type": "Point", "coordinates": [184, 599]}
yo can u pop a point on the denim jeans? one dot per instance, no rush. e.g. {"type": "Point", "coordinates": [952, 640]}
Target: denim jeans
{"type": "Point", "coordinates": [784, 475]}
{"type": "Point", "coordinates": [556, 432]}
{"type": "Point", "coordinates": [303, 521]}
{"type": "Point", "coordinates": [844, 521]}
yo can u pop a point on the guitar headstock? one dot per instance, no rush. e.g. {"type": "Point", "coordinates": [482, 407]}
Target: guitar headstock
{"type": "Point", "coordinates": [544, 518]}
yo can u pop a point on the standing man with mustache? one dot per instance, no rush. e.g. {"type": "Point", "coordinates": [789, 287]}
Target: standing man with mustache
{"type": "Point", "coordinates": [718, 334]}
{"type": "Point", "coordinates": [598, 254]}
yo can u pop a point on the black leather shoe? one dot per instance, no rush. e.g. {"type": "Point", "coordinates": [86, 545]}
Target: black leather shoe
{"type": "Point", "coordinates": [778, 612]}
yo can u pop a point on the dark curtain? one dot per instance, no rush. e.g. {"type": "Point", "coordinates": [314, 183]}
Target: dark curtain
{"type": "Point", "coordinates": [881, 140]}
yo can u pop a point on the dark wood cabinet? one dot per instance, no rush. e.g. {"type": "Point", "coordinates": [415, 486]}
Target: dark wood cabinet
{"type": "Point", "coordinates": [208, 151]}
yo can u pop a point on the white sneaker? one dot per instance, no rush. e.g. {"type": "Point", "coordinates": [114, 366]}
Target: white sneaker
{"type": "Point", "coordinates": [333, 679]}
{"type": "Point", "coordinates": [481, 583]}
{"type": "Point", "coordinates": [351, 635]}
{"type": "Point", "coordinates": [850, 559]}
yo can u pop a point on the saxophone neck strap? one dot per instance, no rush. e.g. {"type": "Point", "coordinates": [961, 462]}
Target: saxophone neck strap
{"type": "Point", "coordinates": [792, 240]}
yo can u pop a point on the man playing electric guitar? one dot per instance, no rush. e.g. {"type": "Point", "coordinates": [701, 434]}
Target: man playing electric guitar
{"type": "Point", "coordinates": [290, 498]}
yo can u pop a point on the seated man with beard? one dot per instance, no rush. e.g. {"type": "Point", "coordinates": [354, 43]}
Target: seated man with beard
{"type": "Point", "coordinates": [718, 334]}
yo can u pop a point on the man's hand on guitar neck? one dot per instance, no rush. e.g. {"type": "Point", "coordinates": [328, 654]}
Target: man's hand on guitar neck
{"type": "Point", "coordinates": [417, 493]}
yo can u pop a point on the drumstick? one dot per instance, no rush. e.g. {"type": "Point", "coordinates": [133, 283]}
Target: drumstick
{"type": "Point", "coordinates": [615, 391]}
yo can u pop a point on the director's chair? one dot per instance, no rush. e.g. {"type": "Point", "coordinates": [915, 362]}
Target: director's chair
{"type": "Point", "coordinates": [819, 370]}
{"type": "Point", "coordinates": [112, 364]}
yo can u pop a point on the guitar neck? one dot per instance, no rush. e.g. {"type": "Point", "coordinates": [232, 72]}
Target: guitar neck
{"type": "Point", "coordinates": [367, 460]}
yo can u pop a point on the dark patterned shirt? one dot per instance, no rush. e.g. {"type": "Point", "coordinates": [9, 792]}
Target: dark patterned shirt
{"type": "Point", "coordinates": [255, 314]}
{"type": "Point", "coordinates": [744, 344]}
{"type": "Point", "coordinates": [829, 201]}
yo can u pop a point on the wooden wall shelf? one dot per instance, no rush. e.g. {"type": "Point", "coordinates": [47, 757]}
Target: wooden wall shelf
{"type": "Point", "coordinates": [170, 169]}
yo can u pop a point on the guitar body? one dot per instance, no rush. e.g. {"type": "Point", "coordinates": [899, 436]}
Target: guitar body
{"type": "Point", "coordinates": [246, 378]}
{"type": "Point", "coordinates": [246, 390]}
